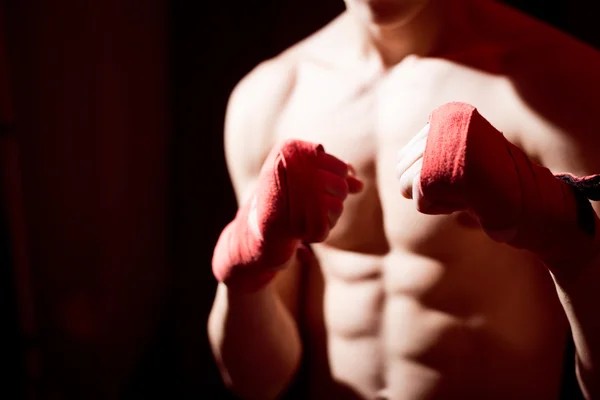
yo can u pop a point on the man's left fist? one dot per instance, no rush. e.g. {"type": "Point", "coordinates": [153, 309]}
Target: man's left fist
{"type": "Point", "coordinates": [459, 161]}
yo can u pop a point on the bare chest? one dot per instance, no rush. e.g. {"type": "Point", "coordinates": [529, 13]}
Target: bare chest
{"type": "Point", "coordinates": [383, 253]}
{"type": "Point", "coordinates": [366, 123]}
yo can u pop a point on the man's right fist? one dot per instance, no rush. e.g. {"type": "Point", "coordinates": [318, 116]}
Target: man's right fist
{"type": "Point", "coordinates": [299, 198]}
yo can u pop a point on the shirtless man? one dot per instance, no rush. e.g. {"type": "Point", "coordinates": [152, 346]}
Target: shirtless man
{"type": "Point", "coordinates": [397, 304]}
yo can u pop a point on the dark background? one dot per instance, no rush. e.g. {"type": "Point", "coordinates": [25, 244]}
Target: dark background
{"type": "Point", "coordinates": [111, 120]}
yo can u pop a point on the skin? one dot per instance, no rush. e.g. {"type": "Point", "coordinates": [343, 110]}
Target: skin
{"type": "Point", "coordinates": [398, 304]}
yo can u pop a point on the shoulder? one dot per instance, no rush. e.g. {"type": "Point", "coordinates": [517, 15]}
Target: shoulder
{"type": "Point", "coordinates": [539, 55]}
{"type": "Point", "coordinates": [262, 93]}
{"type": "Point", "coordinates": [257, 102]}
{"type": "Point", "coordinates": [261, 96]}
{"type": "Point", "coordinates": [252, 112]}
{"type": "Point", "coordinates": [557, 86]}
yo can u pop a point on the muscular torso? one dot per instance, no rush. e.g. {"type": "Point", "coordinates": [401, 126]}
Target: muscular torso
{"type": "Point", "coordinates": [404, 305]}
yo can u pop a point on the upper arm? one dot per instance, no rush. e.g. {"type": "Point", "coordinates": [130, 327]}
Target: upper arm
{"type": "Point", "coordinates": [573, 153]}
{"type": "Point", "coordinates": [253, 109]}
{"type": "Point", "coordinates": [567, 152]}
{"type": "Point", "coordinates": [564, 127]}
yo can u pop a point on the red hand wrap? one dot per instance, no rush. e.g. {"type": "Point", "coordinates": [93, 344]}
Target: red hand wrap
{"type": "Point", "coordinates": [286, 210]}
{"type": "Point", "coordinates": [468, 164]}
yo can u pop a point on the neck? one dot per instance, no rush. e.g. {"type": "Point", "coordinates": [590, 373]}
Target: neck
{"type": "Point", "coordinates": [420, 34]}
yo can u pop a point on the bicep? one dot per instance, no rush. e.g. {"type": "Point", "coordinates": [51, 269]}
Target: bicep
{"type": "Point", "coordinates": [252, 112]}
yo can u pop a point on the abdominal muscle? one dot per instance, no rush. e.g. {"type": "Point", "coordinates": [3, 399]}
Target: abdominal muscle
{"type": "Point", "coordinates": [408, 325]}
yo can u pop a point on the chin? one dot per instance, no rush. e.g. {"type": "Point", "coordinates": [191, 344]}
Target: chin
{"type": "Point", "coordinates": [386, 13]}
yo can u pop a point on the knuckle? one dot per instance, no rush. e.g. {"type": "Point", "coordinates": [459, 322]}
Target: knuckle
{"type": "Point", "coordinates": [344, 189]}
{"type": "Point", "coordinates": [289, 143]}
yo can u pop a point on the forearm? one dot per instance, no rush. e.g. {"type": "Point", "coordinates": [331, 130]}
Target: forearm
{"type": "Point", "coordinates": [255, 341]}
{"type": "Point", "coordinates": [580, 295]}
